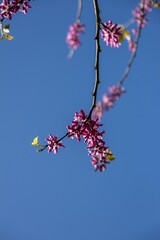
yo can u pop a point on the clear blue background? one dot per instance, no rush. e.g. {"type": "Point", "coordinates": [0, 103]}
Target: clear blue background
{"type": "Point", "coordinates": [45, 196]}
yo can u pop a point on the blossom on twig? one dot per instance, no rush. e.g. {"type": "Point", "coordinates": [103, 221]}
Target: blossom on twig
{"type": "Point", "coordinates": [73, 35]}
{"type": "Point", "coordinates": [140, 12]}
{"type": "Point", "coordinates": [111, 33]}
{"type": "Point", "coordinates": [8, 8]}
{"type": "Point", "coordinates": [87, 129]}
{"type": "Point", "coordinates": [53, 144]}
{"type": "Point", "coordinates": [108, 101]}
{"type": "Point", "coordinates": [21, 6]}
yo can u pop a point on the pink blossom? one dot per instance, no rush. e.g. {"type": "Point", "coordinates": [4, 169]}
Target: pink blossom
{"type": "Point", "coordinates": [88, 129]}
{"type": "Point", "coordinates": [134, 31]}
{"type": "Point", "coordinates": [22, 6]}
{"type": "Point", "coordinates": [73, 34]}
{"type": "Point", "coordinates": [108, 101]}
{"type": "Point", "coordinates": [114, 94]}
{"type": "Point", "coordinates": [97, 111]}
{"type": "Point", "coordinates": [8, 8]}
{"type": "Point", "coordinates": [111, 33]}
{"type": "Point", "coordinates": [147, 5]}
{"type": "Point", "coordinates": [141, 12]}
{"type": "Point", "coordinates": [77, 126]}
{"type": "Point", "coordinates": [131, 45]}
{"type": "Point", "coordinates": [53, 144]}
{"type": "Point", "coordinates": [140, 17]}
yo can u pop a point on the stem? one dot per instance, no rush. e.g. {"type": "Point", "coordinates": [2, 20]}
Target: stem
{"type": "Point", "coordinates": [133, 55]}
{"type": "Point", "coordinates": [97, 56]}
{"type": "Point", "coordinates": [63, 137]}
{"type": "Point", "coordinates": [79, 10]}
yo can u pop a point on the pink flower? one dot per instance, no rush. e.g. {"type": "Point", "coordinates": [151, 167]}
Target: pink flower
{"type": "Point", "coordinates": [141, 12]}
{"type": "Point", "coordinates": [53, 144]}
{"type": "Point", "coordinates": [77, 126]}
{"type": "Point", "coordinates": [97, 111]}
{"type": "Point", "coordinates": [140, 17]}
{"type": "Point", "coordinates": [131, 45]}
{"type": "Point", "coordinates": [108, 101]}
{"type": "Point", "coordinates": [114, 94]}
{"type": "Point", "coordinates": [116, 91]}
{"type": "Point", "coordinates": [73, 34]}
{"type": "Point", "coordinates": [8, 8]}
{"type": "Point", "coordinates": [22, 6]}
{"type": "Point", "coordinates": [134, 31]}
{"type": "Point", "coordinates": [147, 5]}
{"type": "Point", "coordinates": [111, 34]}
{"type": "Point", "coordinates": [88, 129]}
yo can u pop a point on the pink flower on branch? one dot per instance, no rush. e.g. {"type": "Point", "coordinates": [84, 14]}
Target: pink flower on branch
{"type": "Point", "coordinates": [88, 129]}
{"type": "Point", "coordinates": [22, 6]}
{"type": "Point", "coordinates": [53, 144]}
{"type": "Point", "coordinates": [8, 8]}
{"type": "Point", "coordinates": [141, 12]}
{"type": "Point", "coordinates": [114, 94]}
{"type": "Point", "coordinates": [98, 111]}
{"type": "Point", "coordinates": [73, 35]}
{"type": "Point", "coordinates": [147, 5]}
{"type": "Point", "coordinates": [108, 101]}
{"type": "Point", "coordinates": [140, 17]}
{"type": "Point", "coordinates": [111, 33]}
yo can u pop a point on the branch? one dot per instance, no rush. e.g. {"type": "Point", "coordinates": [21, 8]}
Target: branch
{"type": "Point", "coordinates": [98, 50]}
{"type": "Point", "coordinates": [133, 55]}
{"type": "Point", "coordinates": [79, 10]}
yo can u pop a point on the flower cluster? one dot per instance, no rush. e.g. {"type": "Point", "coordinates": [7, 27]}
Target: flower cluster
{"type": "Point", "coordinates": [147, 5]}
{"type": "Point", "coordinates": [140, 12]}
{"type": "Point", "coordinates": [108, 101]}
{"type": "Point", "coordinates": [111, 33]}
{"type": "Point", "coordinates": [8, 8]}
{"type": "Point", "coordinates": [85, 128]}
{"type": "Point", "coordinates": [73, 34]}
{"type": "Point", "coordinates": [53, 144]}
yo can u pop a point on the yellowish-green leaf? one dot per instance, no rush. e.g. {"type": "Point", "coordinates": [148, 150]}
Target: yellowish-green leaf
{"type": "Point", "coordinates": [35, 142]}
{"type": "Point", "coordinates": [156, 5]}
{"type": "Point", "coordinates": [7, 26]}
{"type": "Point", "coordinates": [8, 37]}
{"type": "Point", "coordinates": [125, 35]}
{"type": "Point", "coordinates": [110, 156]}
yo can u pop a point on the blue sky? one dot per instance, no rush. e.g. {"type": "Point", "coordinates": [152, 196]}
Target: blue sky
{"type": "Point", "coordinates": [46, 196]}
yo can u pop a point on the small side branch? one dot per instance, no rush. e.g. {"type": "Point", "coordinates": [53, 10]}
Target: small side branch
{"type": "Point", "coordinates": [133, 55]}
{"type": "Point", "coordinates": [79, 10]}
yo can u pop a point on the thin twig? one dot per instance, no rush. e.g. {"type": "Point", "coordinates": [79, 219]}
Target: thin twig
{"type": "Point", "coordinates": [79, 10]}
{"type": "Point", "coordinates": [97, 57]}
{"type": "Point", "coordinates": [133, 55]}
{"type": "Point", "coordinates": [41, 149]}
